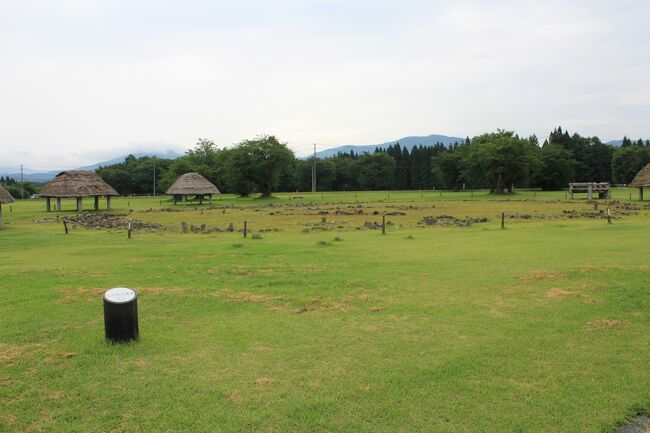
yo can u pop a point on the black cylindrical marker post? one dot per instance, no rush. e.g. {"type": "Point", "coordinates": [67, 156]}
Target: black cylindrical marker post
{"type": "Point", "coordinates": [121, 315]}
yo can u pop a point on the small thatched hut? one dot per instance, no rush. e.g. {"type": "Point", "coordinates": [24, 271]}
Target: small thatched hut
{"type": "Point", "coordinates": [641, 180]}
{"type": "Point", "coordinates": [5, 198]}
{"type": "Point", "coordinates": [192, 184]}
{"type": "Point", "coordinates": [77, 184]}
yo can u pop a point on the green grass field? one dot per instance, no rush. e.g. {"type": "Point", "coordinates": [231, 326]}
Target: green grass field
{"type": "Point", "coordinates": [541, 327]}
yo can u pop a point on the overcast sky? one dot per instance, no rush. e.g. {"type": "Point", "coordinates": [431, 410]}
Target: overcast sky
{"type": "Point", "coordinates": [82, 81]}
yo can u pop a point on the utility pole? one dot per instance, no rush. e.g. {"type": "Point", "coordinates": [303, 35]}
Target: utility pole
{"type": "Point", "coordinates": [313, 171]}
{"type": "Point", "coordinates": [22, 183]}
{"type": "Point", "coordinates": [154, 176]}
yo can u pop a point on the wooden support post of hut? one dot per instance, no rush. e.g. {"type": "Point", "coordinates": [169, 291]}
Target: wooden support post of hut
{"type": "Point", "coordinates": [77, 184]}
{"type": "Point", "coordinates": [641, 180]}
{"type": "Point", "coordinates": [192, 184]}
{"type": "Point", "coordinates": [5, 198]}
{"type": "Point", "coordinates": [48, 204]}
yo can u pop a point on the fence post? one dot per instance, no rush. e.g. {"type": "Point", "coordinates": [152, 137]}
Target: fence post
{"type": "Point", "coordinates": [503, 220]}
{"type": "Point", "coordinates": [245, 228]}
{"type": "Point", "coordinates": [129, 230]}
{"type": "Point", "coordinates": [383, 224]}
{"type": "Point", "coordinates": [65, 227]}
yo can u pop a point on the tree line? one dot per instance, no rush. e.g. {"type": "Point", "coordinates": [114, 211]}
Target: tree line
{"type": "Point", "coordinates": [498, 160]}
{"type": "Point", "coordinates": [14, 187]}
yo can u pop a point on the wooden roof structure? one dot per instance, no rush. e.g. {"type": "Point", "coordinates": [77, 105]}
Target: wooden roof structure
{"type": "Point", "coordinates": [5, 197]}
{"type": "Point", "coordinates": [77, 183]}
{"type": "Point", "coordinates": [642, 179]}
{"type": "Point", "coordinates": [192, 184]}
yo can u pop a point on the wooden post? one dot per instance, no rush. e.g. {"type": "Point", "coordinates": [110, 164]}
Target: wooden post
{"type": "Point", "coordinates": [596, 206]}
{"type": "Point", "coordinates": [590, 191]}
{"type": "Point", "coordinates": [108, 202]}
{"type": "Point", "coordinates": [79, 204]}
{"type": "Point", "coordinates": [383, 224]}
{"type": "Point", "coordinates": [65, 227]}
{"type": "Point", "coordinates": [245, 228]}
{"type": "Point", "coordinates": [48, 204]}
{"type": "Point", "coordinates": [184, 199]}
{"type": "Point", "coordinates": [641, 193]}
{"type": "Point", "coordinates": [96, 202]}
{"type": "Point", "coordinates": [0, 215]}
{"type": "Point", "coordinates": [200, 198]}
{"type": "Point", "coordinates": [503, 220]}
{"type": "Point", "coordinates": [129, 230]}
{"type": "Point", "coordinates": [210, 199]}
{"type": "Point", "coordinates": [58, 204]}
{"type": "Point", "coordinates": [609, 216]}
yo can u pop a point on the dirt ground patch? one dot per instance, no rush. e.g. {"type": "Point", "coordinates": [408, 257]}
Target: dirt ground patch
{"type": "Point", "coordinates": [604, 324]}
{"type": "Point", "coordinates": [542, 275]}
{"type": "Point", "coordinates": [557, 293]}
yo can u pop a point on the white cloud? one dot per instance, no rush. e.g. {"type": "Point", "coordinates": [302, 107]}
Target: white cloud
{"type": "Point", "coordinates": [82, 79]}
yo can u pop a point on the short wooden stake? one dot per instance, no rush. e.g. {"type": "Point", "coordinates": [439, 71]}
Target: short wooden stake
{"type": "Point", "coordinates": [245, 228]}
{"type": "Point", "coordinates": [65, 226]}
{"type": "Point", "coordinates": [609, 216]}
{"type": "Point", "coordinates": [503, 220]}
{"type": "Point", "coordinates": [129, 230]}
{"type": "Point", "coordinates": [383, 224]}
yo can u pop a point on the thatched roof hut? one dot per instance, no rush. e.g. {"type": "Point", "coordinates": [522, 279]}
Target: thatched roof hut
{"type": "Point", "coordinates": [192, 184]}
{"type": "Point", "coordinates": [77, 184]}
{"type": "Point", "coordinates": [642, 179]}
{"type": "Point", "coordinates": [5, 197]}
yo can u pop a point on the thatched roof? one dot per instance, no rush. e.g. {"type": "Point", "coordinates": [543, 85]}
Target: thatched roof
{"type": "Point", "coordinates": [642, 179]}
{"type": "Point", "coordinates": [5, 197]}
{"type": "Point", "coordinates": [77, 183]}
{"type": "Point", "coordinates": [192, 183]}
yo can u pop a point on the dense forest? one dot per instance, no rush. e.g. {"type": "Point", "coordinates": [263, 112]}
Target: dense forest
{"type": "Point", "coordinates": [499, 161]}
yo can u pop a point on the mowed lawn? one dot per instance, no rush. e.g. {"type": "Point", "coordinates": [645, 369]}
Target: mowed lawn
{"type": "Point", "coordinates": [541, 327]}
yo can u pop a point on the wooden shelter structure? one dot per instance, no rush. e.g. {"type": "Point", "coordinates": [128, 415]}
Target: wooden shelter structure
{"type": "Point", "coordinates": [641, 180]}
{"type": "Point", "coordinates": [602, 188]}
{"type": "Point", "coordinates": [192, 184]}
{"type": "Point", "coordinates": [5, 198]}
{"type": "Point", "coordinates": [77, 184]}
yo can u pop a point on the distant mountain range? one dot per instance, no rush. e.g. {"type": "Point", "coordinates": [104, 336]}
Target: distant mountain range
{"type": "Point", "coordinates": [31, 175]}
{"type": "Point", "coordinates": [407, 142]}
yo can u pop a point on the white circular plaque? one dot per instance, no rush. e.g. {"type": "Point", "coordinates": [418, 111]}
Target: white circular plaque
{"type": "Point", "coordinates": [119, 295]}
